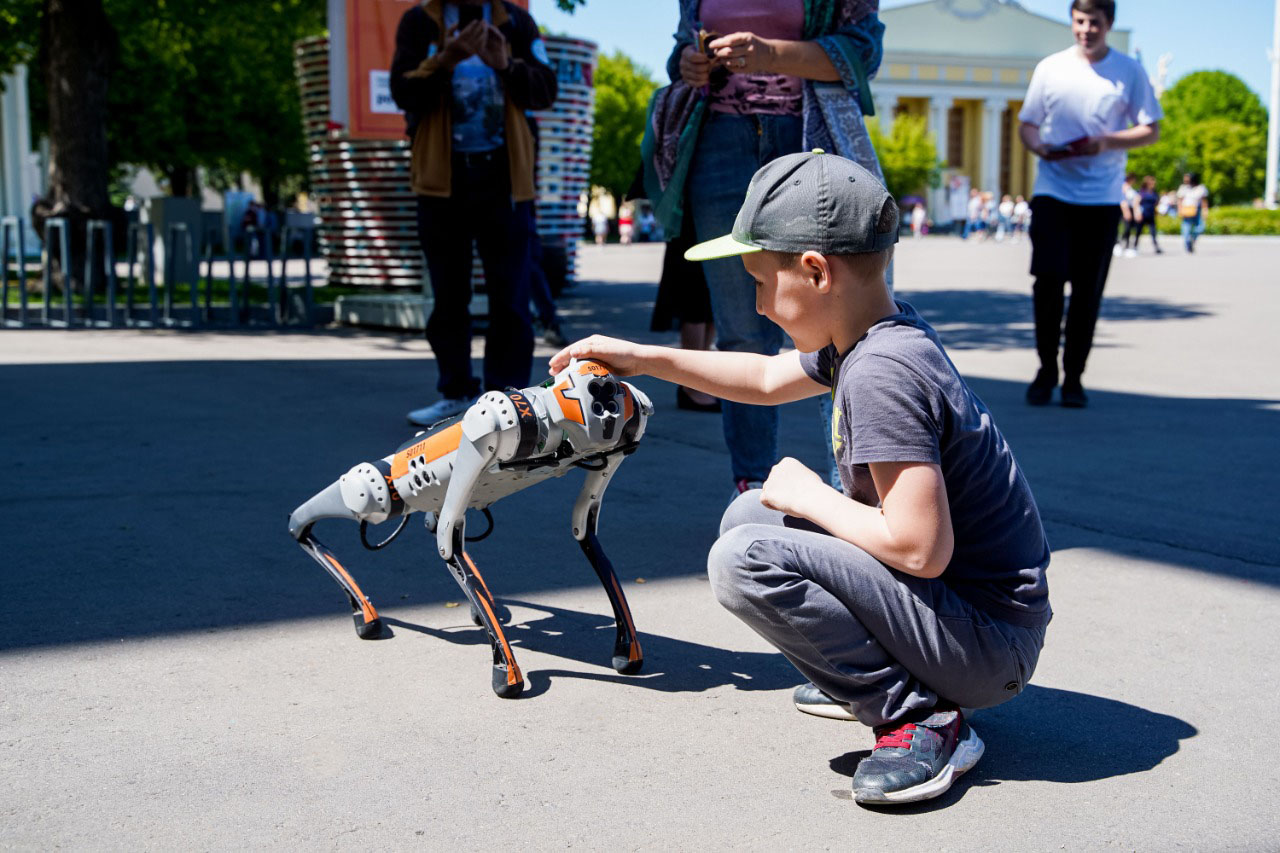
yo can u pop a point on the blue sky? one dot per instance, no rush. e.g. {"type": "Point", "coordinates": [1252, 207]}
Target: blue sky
{"type": "Point", "coordinates": [1231, 35]}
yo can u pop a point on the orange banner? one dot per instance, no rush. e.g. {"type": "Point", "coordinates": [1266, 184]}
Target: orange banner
{"type": "Point", "coordinates": [371, 42]}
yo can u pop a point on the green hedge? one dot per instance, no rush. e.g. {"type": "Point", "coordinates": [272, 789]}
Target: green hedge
{"type": "Point", "coordinates": [1239, 220]}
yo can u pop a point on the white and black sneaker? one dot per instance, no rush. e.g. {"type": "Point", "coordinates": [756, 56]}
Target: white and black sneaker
{"type": "Point", "coordinates": [440, 410]}
{"type": "Point", "coordinates": [811, 700]}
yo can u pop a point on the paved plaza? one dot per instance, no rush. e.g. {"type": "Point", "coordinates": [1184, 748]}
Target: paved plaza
{"type": "Point", "coordinates": [176, 673]}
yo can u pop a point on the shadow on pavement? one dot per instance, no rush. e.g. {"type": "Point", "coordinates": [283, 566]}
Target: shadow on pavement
{"type": "Point", "coordinates": [146, 498]}
{"type": "Point", "coordinates": [670, 666]}
{"type": "Point", "coordinates": [1053, 735]}
{"type": "Point", "coordinates": [998, 319]}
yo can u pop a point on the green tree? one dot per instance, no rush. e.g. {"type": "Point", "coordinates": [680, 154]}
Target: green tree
{"type": "Point", "coordinates": [19, 32]}
{"type": "Point", "coordinates": [623, 90]}
{"type": "Point", "coordinates": [1215, 125]}
{"type": "Point", "coordinates": [908, 155]}
{"type": "Point", "coordinates": [1203, 95]}
{"type": "Point", "coordinates": [211, 85]}
{"type": "Point", "coordinates": [1230, 157]}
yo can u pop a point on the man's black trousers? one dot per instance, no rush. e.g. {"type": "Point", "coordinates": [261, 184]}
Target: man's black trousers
{"type": "Point", "coordinates": [1069, 242]}
{"type": "Point", "coordinates": [481, 210]}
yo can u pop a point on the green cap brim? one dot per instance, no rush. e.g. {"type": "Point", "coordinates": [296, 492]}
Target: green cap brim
{"type": "Point", "coordinates": [720, 247]}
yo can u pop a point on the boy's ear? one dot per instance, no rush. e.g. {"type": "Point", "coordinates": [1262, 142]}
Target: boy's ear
{"type": "Point", "coordinates": [816, 268]}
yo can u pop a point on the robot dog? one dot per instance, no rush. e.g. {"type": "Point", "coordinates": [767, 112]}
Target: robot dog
{"type": "Point", "coordinates": [507, 441]}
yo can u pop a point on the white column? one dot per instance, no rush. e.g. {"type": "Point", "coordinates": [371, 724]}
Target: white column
{"type": "Point", "coordinates": [885, 105]}
{"type": "Point", "coordinates": [1273, 127]}
{"type": "Point", "coordinates": [15, 148]}
{"type": "Point", "coordinates": [992, 111]}
{"type": "Point", "coordinates": [939, 107]}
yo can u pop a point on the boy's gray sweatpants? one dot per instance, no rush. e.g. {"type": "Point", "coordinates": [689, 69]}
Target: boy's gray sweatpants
{"type": "Point", "coordinates": [885, 642]}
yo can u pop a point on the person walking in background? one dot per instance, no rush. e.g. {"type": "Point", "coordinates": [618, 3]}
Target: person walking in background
{"type": "Point", "coordinates": [1131, 214]}
{"type": "Point", "coordinates": [1148, 201]}
{"type": "Point", "coordinates": [1005, 215]}
{"type": "Point", "coordinates": [465, 72]}
{"type": "Point", "coordinates": [917, 220]}
{"type": "Point", "coordinates": [1021, 216]}
{"type": "Point", "coordinates": [990, 219]}
{"type": "Point", "coordinates": [758, 62]}
{"type": "Point", "coordinates": [626, 222]}
{"type": "Point", "coordinates": [1193, 205]}
{"type": "Point", "coordinates": [599, 225]}
{"type": "Point", "coordinates": [1086, 106]}
{"type": "Point", "coordinates": [975, 213]}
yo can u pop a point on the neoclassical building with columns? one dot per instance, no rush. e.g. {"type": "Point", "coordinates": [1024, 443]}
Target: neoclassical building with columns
{"type": "Point", "coordinates": [964, 66]}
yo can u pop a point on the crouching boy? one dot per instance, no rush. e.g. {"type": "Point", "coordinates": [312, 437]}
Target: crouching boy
{"type": "Point", "coordinates": [918, 591]}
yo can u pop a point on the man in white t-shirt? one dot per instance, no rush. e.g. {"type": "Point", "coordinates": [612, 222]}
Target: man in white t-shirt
{"type": "Point", "coordinates": [1085, 107]}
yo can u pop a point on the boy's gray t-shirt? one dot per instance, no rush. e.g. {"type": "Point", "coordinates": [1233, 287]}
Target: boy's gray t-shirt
{"type": "Point", "coordinates": [898, 398]}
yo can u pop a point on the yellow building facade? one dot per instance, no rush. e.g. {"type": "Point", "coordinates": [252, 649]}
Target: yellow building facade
{"type": "Point", "coordinates": [964, 66]}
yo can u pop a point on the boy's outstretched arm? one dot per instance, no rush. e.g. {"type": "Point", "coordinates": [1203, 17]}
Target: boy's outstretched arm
{"type": "Point", "coordinates": [910, 530]}
{"type": "Point", "coordinates": [741, 377]}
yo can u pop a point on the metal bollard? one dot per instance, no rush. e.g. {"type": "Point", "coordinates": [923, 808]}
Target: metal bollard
{"type": "Point", "coordinates": [19, 227]}
{"type": "Point", "coordinates": [273, 302]}
{"type": "Point", "coordinates": [172, 234]}
{"type": "Point", "coordinates": [307, 297]}
{"type": "Point", "coordinates": [102, 229]}
{"type": "Point", "coordinates": [145, 231]}
{"type": "Point", "coordinates": [64, 255]}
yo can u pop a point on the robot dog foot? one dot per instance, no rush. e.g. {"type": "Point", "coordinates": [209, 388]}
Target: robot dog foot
{"type": "Point", "coordinates": [367, 630]}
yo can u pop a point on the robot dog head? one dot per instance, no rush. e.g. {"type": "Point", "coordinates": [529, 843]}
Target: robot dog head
{"type": "Point", "coordinates": [595, 409]}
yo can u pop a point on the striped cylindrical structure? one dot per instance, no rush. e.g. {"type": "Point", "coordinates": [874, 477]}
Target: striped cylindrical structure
{"type": "Point", "coordinates": [564, 145]}
{"type": "Point", "coordinates": [368, 221]}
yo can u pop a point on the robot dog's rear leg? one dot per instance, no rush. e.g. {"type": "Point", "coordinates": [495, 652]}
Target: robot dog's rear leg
{"type": "Point", "coordinates": [627, 656]}
{"type": "Point", "coordinates": [507, 679]}
{"type": "Point", "coordinates": [368, 624]}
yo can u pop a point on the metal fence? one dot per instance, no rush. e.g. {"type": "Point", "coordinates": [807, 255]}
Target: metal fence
{"type": "Point", "coordinates": [272, 301]}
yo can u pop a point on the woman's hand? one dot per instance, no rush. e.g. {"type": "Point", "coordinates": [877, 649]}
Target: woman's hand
{"type": "Point", "coordinates": [744, 53]}
{"type": "Point", "coordinates": [695, 67]}
{"type": "Point", "coordinates": [621, 357]}
{"type": "Point", "coordinates": [790, 488]}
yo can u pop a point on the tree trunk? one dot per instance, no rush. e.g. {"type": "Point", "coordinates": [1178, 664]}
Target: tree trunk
{"type": "Point", "coordinates": [77, 44]}
{"type": "Point", "coordinates": [183, 181]}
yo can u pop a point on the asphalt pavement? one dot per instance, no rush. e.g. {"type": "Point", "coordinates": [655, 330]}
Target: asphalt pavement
{"type": "Point", "coordinates": [176, 673]}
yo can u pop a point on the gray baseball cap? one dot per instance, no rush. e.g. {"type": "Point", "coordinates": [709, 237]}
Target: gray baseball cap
{"type": "Point", "coordinates": [811, 201]}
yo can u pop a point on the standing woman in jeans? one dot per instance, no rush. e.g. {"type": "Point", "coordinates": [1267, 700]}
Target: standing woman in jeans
{"type": "Point", "coordinates": [782, 76]}
{"type": "Point", "coordinates": [1193, 205]}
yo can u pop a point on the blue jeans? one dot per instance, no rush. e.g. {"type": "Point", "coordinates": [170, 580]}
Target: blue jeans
{"type": "Point", "coordinates": [1190, 231]}
{"type": "Point", "coordinates": [730, 150]}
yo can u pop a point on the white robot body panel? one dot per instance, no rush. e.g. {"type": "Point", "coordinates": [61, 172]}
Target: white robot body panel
{"type": "Point", "coordinates": [505, 442]}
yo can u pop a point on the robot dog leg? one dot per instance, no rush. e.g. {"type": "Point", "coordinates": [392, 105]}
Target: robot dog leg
{"type": "Point", "coordinates": [506, 442]}
{"type": "Point", "coordinates": [627, 656]}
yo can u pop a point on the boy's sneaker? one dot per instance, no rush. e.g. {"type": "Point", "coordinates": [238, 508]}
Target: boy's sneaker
{"type": "Point", "coordinates": [440, 410]}
{"type": "Point", "coordinates": [917, 761]}
{"type": "Point", "coordinates": [811, 700]}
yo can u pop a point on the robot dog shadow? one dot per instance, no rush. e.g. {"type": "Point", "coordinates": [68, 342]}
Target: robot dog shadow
{"type": "Point", "coordinates": [671, 665]}
{"type": "Point", "coordinates": [1063, 726]}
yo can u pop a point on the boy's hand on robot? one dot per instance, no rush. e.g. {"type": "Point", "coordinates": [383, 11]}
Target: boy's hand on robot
{"type": "Point", "coordinates": [621, 357]}
{"type": "Point", "coordinates": [790, 488]}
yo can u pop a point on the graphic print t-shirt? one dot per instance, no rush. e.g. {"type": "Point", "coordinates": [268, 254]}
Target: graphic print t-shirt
{"type": "Point", "coordinates": [898, 398]}
{"type": "Point", "coordinates": [478, 100]}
